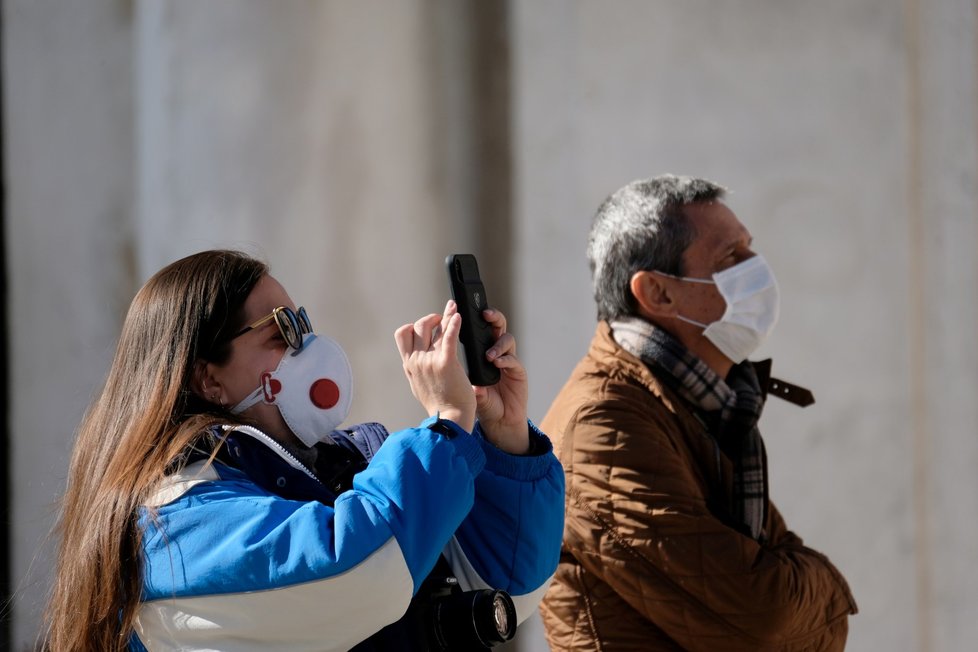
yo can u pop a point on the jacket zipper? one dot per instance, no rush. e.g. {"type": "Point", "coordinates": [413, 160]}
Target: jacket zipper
{"type": "Point", "coordinates": [275, 446]}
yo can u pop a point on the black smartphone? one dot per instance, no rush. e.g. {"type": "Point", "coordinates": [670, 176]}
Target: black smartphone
{"type": "Point", "coordinates": [476, 334]}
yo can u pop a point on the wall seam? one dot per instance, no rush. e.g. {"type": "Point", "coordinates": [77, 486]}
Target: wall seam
{"type": "Point", "coordinates": [492, 164]}
{"type": "Point", "coordinates": [6, 485]}
{"type": "Point", "coordinates": [923, 571]}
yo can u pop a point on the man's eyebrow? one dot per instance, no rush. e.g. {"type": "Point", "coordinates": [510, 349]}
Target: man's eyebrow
{"type": "Point", "coordinates": [730, 246]}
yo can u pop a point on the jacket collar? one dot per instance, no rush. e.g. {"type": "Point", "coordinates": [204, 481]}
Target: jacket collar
{"type": "Point", "coordinates": [609, 354]}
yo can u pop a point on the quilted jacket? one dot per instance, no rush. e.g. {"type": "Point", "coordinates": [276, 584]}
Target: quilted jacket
{"type": "Point", "coordinates": [649, 561]}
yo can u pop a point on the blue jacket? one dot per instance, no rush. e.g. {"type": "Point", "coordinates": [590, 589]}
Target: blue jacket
{"type": "Point", "coordinates": [231, 564]}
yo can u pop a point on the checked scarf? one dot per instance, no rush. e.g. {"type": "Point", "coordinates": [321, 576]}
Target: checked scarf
{"type": "Point", "coordinates": [729, 408]}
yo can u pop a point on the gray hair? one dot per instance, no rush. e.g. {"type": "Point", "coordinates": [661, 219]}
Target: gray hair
{"type": "Point", "coordinates": [642, 226]}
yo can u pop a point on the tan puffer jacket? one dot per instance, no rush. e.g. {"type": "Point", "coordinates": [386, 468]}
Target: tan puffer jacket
{"type": "Point", "coordinates": [647, 561]}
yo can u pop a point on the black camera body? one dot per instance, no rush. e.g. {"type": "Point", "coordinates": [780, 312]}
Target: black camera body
{"type": "Point", "coordinates": [444, 618]}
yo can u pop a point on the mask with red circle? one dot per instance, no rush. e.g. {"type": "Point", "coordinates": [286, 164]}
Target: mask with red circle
{"type": "Point", "coordinates": [311, 387]}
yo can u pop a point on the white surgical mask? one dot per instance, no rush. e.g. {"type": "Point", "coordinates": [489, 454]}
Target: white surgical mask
{"type": "Point", "coordinates": [311, 387]}
{"type": "Point", "coordinates": [752, 310]}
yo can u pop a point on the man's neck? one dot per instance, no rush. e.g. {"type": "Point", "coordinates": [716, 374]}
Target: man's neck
{"type": "Point", "coordinates": [712, 358]}
{"type": "Point", "coordinates": [696, 343]}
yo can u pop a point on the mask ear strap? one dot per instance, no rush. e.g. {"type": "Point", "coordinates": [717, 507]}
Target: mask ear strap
{"type": "Point", "coordinates": [691, 321]}
{"type": "Point", "coordinates": [688, 279]}
{"type": "Point", "coordinates": [248, 401]}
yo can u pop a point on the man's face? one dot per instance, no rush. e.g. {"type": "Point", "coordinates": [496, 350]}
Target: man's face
{"type": "Point", "coordinates": [721, 242]}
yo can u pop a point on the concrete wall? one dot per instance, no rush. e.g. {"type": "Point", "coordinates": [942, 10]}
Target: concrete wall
{"type": "Point", "coordinates": [68, 136]}
{"type": "Point", "coordinates": [847, 132]}
{"type": "Point", "coordinates": [307, 133]}
{"type": "Point", "coordinates": [346, 144]}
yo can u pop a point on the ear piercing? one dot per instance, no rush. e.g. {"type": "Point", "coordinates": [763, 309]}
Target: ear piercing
{"type": "Point", "coordinates": [213, 397]}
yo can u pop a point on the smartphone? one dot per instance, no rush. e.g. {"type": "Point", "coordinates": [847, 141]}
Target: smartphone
{"type": "Point", "coordinates": [476, 334]}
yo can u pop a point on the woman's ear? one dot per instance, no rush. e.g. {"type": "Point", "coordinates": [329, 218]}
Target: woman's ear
{"type": "Point", "coordinates": [652, 295]}
{"type": "Point", "coordinates": [204, 384]}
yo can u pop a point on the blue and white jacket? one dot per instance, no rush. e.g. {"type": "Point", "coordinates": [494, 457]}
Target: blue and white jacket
{"type": "Point", "coordinates": [230, 565]}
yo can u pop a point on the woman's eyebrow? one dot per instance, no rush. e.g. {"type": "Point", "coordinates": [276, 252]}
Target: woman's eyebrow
{"type": "Point", "coordinates": [270, 323]}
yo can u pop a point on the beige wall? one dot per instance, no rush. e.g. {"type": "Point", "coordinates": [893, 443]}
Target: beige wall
{"type": "Point", "coordinates": [69, 186]}
{"type": "Point", "coordinates": [848, 135]}
{"type": "Point", "coordinates": [340, 141]}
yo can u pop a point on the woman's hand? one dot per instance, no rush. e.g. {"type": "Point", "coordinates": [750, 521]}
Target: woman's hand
{"type": "Point", "coordinates": [428, 349]}
{"type": "Point", "coordinates": [502, 407]}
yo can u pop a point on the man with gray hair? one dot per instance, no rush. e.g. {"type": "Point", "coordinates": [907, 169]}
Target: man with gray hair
{"type": "Point", "coordinates": [670, 540]}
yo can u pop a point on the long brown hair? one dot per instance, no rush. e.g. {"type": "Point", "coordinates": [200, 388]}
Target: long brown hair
{"type": "Point", "coordinates": [144, 420]}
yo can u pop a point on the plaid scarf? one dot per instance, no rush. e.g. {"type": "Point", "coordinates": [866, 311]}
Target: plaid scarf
{"type": "Point", "coordinates": [730, 409]}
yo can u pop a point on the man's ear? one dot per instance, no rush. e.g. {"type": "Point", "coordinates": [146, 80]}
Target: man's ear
{"type": "Point", "coordinates": [652, 295]}
{"type": "Point", "coordinates": [204, 384]}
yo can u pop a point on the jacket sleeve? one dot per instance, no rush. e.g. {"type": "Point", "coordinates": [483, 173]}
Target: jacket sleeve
{"type": "Point", "coordinates": [511, 538]}
{"type": "Point", "coordinates": [641, 524]}
{"type": "Point", "coordinates": [229, 561]}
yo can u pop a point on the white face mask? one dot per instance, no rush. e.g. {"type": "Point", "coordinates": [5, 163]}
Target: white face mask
{"type": "Point", "coordinates": [753, 304]}
{"type": "Point", "coordinates": [312, 388]}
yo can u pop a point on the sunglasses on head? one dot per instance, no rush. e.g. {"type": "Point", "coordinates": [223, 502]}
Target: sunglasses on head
{"type": "Point", "coordinates": [292, 324]}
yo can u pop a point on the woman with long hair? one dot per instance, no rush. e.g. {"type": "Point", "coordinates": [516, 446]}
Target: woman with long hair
{"type": "Point", "coordinates": [213, 502]}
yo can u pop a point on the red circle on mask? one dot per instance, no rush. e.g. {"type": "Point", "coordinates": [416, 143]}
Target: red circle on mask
{"type": "Point", "coordinates": [324, 393]}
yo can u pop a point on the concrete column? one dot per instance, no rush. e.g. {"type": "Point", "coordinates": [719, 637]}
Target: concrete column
{"type": "Point", "coordinates": [847, 134]}
{"type": "Point", "coordinates": [70, 259]}
{"type": "Point", "coordinates": [311, 134]}
{"type": "Point", "coordinates": [942, 199]}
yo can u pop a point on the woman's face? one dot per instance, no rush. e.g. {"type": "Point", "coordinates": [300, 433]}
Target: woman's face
{"type": "Point", "coordinates": [252, 354]}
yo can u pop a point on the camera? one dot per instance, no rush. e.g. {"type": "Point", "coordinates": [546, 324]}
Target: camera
{"type": "Point", "coordinates": [457, 620]}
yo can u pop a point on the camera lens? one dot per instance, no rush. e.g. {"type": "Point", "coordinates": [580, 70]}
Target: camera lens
{"type": "Point", "coordinates": [494, 616]}
{"type": "Point", "coordinates": [474, 620]}
{"type": "Point", "coordinates": [500, 612]}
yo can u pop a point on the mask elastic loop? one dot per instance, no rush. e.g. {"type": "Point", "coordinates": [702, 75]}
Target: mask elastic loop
{"type": "Point", "coordinates": [688, 279]}
{"type": "Point", "coordinates": [692, 321]}
{"type": "Point", "coordinates": [248, 401]}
